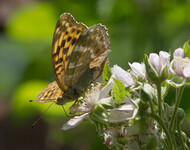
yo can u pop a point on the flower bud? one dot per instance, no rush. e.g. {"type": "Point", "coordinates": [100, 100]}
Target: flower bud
{"type": "Point", "coordinates": [150, 72]}
{"type": "Point", "coordinates": [146, 93]}
{"type": "Point", "coordinates": [180, 115]}
{"type": "Point", "coordinates": [157, 67]}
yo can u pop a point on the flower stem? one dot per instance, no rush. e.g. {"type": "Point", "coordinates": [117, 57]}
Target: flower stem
{"type": "Point", "coordinates": [151, 105]}
{"type": "Point", "coordinates": [178, 99]}
{"type": "Point", "coordinates": [180, 136]}
{"type": "Point", "coordinates": [163, 126]}
{"type": "Point", "coordinates": [160, 103]}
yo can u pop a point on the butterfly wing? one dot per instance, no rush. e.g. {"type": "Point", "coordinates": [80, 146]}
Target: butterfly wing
{"type": "Point", "coordinates": [97, 65]}
{"type": "Point", "coordinates": [66, 35]}
{"type": "Point", "coordinates": [50, 94]}
{"type": "Point", "coordinates": [92, 43]}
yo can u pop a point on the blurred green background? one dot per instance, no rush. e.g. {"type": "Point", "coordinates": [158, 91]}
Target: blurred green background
{"type": "Point", "coordinates": [26, 29]}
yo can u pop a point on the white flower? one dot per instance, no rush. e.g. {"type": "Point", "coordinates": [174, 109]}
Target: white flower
{"type": "Point", "coordinates": [124, 112]}
{"type": "Point", "coordinates": [138, 69]}
{"type": "Point", "coordinates": [92, 98]}
{"type": "Point", "coordinates": [180, 64]}
{"type": "Point", "coordinates": [158, 63]}
{"type": "Point", "coordinates": [118, 73]}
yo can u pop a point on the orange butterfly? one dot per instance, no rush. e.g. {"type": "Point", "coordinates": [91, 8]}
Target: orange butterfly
{"type": "Point", "coordinates": [79, 54]}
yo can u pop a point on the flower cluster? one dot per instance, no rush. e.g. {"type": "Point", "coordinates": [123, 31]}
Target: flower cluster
{"type": "Point", "coordinates": [129, 108]}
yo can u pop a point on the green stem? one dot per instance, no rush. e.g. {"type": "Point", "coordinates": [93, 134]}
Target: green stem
{"type": "Point", "coordinates": [151, 105]}
{"type": "Point", "coordinates": [160, 102]}
{"type": "Point", "coordinates": [163, 126]}
{"type": "Point", "coordinates": [178, 99]}
{"type": "Point", "coordinates": [180, 136]}
{"type": "Point", "coordinates": [165, 144]}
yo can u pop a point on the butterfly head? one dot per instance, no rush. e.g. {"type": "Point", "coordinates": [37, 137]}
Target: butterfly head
{"type": "Point", "coordinates": [63, 100]}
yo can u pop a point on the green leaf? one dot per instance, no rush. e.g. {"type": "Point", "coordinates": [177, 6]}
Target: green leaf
{"type": "Point", "coordinates": [106, 74]}
{"type": "Point", "coordinates": [177, 82]}
{"type": "Point", "coordinates": [186, 48]}
{"type": "Point", "coordinates": [119, 90]}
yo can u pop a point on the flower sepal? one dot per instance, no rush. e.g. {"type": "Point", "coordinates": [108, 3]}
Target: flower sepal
{"type": "Point", "coordinates": [146, 93]}
{"type": "Point", "coordinates": [180, 115]}
{"type": "Point", "coordinates": [177, 81]}
{"type": "Point", "coordinates": [164, 73]}
{"type": "Point", "coordinates": [99, 114]}
{"type": "Point", "coordinates": [186, 48]}
{"type": "Point", "coordinates": [150, 71]}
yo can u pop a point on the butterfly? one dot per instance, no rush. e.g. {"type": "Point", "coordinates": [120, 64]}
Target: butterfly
{"type": "Point", "coordinates": [79, 54]}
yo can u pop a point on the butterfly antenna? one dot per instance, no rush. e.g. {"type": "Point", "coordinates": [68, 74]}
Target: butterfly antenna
{"type": "Point", "coordinates": [31, 100]}
{"type": "Point", "coordinates": [41, 116]}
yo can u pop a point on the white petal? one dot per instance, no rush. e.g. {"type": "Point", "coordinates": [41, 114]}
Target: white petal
{"type": "Point", "coordinates": [154, 60]}
{"type": "Point", "coordinates": [164, 57]}
{"type": "Point", "coordinates": [138, 69]}
{"type": "Point", "coordinates": [123, 76]}
{"type": "Point", "coordinates": [186, 71]}
{"type": "Point", "coordinates": [125, 112]}
{"type": "Point", "coordinates": [106, 89]}
{"type": "Point", "coordinates": [74, 122]}
{"type": "Point", "coordinates": [179, 53]}
{"type": "Point", "coordinates": [179, 66]}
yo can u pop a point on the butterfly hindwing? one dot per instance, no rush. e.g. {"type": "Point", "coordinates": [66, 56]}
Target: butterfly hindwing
{"type": "Point", "coordinates": [91, 44]}
{"type": "Point", "coordinates": [50, 94]}
{"type": "Point", "coordinates": [66, 35]}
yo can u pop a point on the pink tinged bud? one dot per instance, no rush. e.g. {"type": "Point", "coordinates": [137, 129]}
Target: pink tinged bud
{"type": "Point", "coordinates": [179, 53]}
{"type": "Point", "coordinates": [154, 62]}
{"type": "Point", "coordinates": [159, 63]}
{"type": "Point", "coordinates": [138, 69]}
{"type": "Point", "coordinates": [108, 142]}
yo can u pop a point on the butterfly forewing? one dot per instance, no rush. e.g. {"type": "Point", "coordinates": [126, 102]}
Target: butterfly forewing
{"type": "Point", "coordinates": [66, 34]}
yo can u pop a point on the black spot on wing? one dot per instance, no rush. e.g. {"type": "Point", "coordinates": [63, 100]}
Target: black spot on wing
{"type": "Point", "coordinates": [63, 43]}
{"type": "Point", "coordinates": [59, 61]}
{"type": "Point", "coordinates": [74, 41]}
{"type": "Point", "coordinates": [57, 52]}
{"type": "Point", "coordinates": [73, 30]}
{"type": "Point", "coordinates": [78, 31]}
{"type": "Point", "coordinates": [69, 38]}
{"type": "Point", "coordinates": [65, 50]}
{"type": "Point", "coordinates": [57, 68]}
